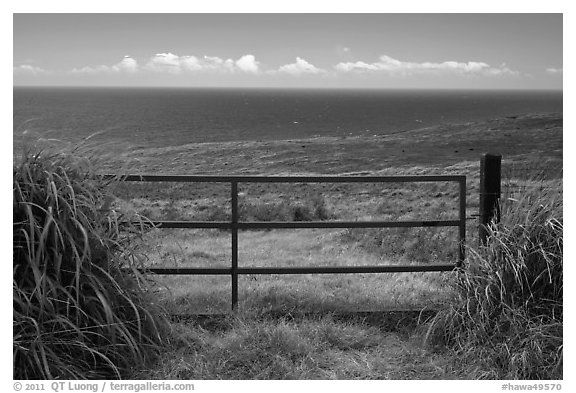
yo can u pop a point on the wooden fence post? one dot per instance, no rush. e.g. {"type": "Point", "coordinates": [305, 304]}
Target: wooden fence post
{"type": "Point", "coordinates": [490, 175]}
{"type": "Point", "coordinates": [234, 270]}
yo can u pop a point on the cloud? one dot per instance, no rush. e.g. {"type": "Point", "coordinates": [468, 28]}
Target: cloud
{"type": "Point", "coordinates": [174, 64]}
{"type": "Point", "coordinates": [216, 64]}
{"type": "Point", "coordinates": [554, 71]}
{"type": "Point", "coordinates": [344, 51]}
{"type": "Point", "coordinates": [300, 67]}
{"type": "Point", "coordinates": [190, 63]}
{"type": "Point", "coordinates": [248, 63]}
{"type": "Point", "coordinates": [27, 69]}
{"type": "Point", "coordinates": [164, 62]}
{"type": "Point", "coordinates": [126, 65]}
{"type": "Point", "coordinates": [393, 66]}
{"type": "Point", "coordinates": [170, 63]}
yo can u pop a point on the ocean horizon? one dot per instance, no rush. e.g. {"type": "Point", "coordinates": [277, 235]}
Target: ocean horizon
{"type": "Point", "coordinates": [161, 117]}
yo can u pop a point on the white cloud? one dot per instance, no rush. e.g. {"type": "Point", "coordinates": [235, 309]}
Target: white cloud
{"type": "Point", "coordinates": [92, 70]}
{"type": "Point", "coordinates": [174, 64]}
{"type": "Point", "coordinates": [27, 69]}
{"type": "Point", "coordinates": [164, 62]}
{"type": "Point", "coordinates": [127, 65]}
{"type": "Point", "coordinates": [393, 66]}
{"type": "Point", "coordinates": [248, 63]}
{"type": "Point", "coordinates": [554, 71]}
{"type": "Point", "coordinates": [358, 66]}
{"type": "Point", "coordinates": [190, 63]}
{"type": "Point", "coordinates": [344, 51]}
{"type": "Point", "coordinates": [170, 63]}
{"type": "Point", "coordinates": [300, 67]}
{"type": "Point", "coordinates": [216, 64]}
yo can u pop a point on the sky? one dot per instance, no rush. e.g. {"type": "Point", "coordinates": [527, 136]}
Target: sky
{"type": "Point", "coordinates": [514, 51]}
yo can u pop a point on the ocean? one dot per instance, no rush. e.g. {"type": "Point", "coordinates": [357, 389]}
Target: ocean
{"type": "Point", "coordinates": [158, 117]}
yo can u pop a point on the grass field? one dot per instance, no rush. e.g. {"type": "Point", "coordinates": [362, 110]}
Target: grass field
{"type": "Point", "coordinates": [291, 327]}
{"type": "Point", "coordinates": [532, 152]}
{"type": "Point", "coordinates": [531, 145]}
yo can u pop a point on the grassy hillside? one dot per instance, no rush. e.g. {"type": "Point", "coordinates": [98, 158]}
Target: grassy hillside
{"type": "Point", "coordinates": [522, 138]}
{"type": "Point", "coordinates": [274, 336]}
{"type": "Point", "coordinates": [531, 145]}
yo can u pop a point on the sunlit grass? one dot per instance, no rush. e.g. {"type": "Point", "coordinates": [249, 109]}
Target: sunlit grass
{"type": "Point", "coordinates": [257, 346]}
{"type": "Point", "coordinates": [76, 314]}
{"type": "Point", "coordinates": [285, 248]}
{"type": "Point", "coordinates": [507, 320]}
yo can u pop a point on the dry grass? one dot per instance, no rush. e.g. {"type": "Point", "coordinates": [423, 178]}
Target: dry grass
{"type": "Point", "coordinates": [328, 292]}
{"type": "Point", "coordinates": [258, 346]}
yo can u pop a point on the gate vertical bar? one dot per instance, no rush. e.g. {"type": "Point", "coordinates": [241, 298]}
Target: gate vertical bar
{"type": "Point", "coordinates": [234, 196]}
{"type": "Point", "coordinates": [462, 225]}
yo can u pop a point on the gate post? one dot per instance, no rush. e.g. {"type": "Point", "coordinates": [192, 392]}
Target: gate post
{"type": "Point", "coordinates": [490, 175]}
{"type": "Point", "coordinates": [234, 270]}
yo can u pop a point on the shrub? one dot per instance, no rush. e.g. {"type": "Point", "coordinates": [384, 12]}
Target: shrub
{"type": "Point", "coordinates": [76, 313]}
{"type": "Point", "coordinates": [312, 208]}
{"type": "Point", "coordinates": [509, 310]}
{"type": "Point", "coordinates": [423, 245]}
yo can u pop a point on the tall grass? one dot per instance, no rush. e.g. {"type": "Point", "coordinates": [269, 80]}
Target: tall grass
{"type": "Point", "coordinates": [76, 313]}
{"type": "Point", "coordinates": [507, 319]}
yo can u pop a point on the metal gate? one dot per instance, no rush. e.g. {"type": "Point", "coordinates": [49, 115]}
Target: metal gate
{"type": "Point", "coordinates": [234, 225]}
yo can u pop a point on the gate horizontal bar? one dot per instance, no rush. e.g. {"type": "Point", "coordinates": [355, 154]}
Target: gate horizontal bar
{"type": "Point", "coordinates": [188, 270]}
{"type": "Point", "coordinates": [284, 179]}
{"type": "Point", "coordinates": [302, 224]}
{"type": "Point", "coordinates": [345, 224]}
{"type": "Point", "coordinates": [301, 270]}
{"type": "Point", "coordinates": [345, 269]}
{"type": "Point", "coordinates": [193, 224]}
